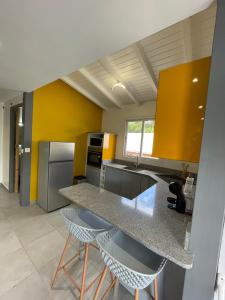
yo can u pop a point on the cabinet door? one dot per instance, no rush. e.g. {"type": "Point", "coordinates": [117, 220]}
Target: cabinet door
{"type": "Point", "coordinates": [113, 180]}
{"type": "Point", "coordinates": [130, 184]}
{"type": "Point", "coordinates": [146, 182]}
{"type": "Point", "coordinates": [93, 175]}
{"type": "Point", "coordinates": [180, 111]}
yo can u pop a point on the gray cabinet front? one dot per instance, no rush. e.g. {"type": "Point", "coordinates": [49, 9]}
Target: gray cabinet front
{"type": "Point", "coordinates": [93, 175]}
{"type": "Point", "coordinates": [146, 182]}
{"type": "Point", "coordinates": [125, 183]}
{"type": "Point", "coordinates": [130, 184]}
{"type": "Point", "coordinates": [113, 180]}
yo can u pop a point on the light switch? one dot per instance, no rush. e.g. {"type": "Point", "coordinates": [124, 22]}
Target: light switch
{"type": "Point", "coordinates": [27, 150]}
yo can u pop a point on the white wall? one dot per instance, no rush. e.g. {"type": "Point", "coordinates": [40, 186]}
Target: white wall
{"type": "Point", "coordinates": [6, 138]}
{"type": "Point", "coordinates": [115, 121]}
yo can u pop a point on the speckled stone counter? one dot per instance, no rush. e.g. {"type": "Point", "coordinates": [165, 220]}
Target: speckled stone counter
{"type": "Point", "coordinates": [146, 218]}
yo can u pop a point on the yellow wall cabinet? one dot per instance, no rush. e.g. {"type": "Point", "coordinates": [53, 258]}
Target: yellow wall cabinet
{"type": "Point", "coordinates": [180, 111]}
{"type": "Point", "coordinates": [109, 146]}
{"type": "Point", "coordinates": [62, 114]}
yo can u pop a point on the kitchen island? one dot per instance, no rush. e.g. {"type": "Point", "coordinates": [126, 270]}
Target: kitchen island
{"type": "Point", "coordinates": [146, 218]}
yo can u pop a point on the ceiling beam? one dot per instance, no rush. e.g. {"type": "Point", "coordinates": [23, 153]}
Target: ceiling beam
{"type": "Point", "coordinates": [139, 50]}
{"type": "Point", "coordinates": [108, 94]}
{"type": "Point", "coordinates": [83, 91]}
{"type": "Point", "coordinates": [106, 63]}
{"type": "Point", "coordinates": [186, 28]}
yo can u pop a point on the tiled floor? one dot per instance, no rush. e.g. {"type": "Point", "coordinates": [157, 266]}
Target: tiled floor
{"type": "Point", "coordinates": [30, 244]}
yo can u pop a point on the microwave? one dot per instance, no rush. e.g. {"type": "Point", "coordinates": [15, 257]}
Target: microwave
{"type": "Point", "coordinates": [94, 157]}
{"type": "Point", "coordinates": [96, 141]}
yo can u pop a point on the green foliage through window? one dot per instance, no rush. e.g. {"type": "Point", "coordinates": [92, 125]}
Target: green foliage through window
{"type": "Point", "coordinates": [134, 126]}
{"type": "Point", "coordinates": [149, 127]}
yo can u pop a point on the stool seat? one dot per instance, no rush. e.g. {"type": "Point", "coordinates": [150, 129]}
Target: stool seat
{"type": "Point", "coordinates": [132, 263]}
{"type": "Point", "coordinates": [83, 224]}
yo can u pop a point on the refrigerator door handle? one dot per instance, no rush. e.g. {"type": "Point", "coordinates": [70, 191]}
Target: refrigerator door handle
{"type": "Point", "coordinates": [220, 286]}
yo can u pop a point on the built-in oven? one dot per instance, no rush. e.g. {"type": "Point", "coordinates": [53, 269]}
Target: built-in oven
{"type": "Point", "coordinates": [96, 141]}
{"type": "Point", "coordinates": [94, 157]}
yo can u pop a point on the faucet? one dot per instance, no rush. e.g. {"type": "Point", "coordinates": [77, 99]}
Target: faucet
{"type": "Point", "coordinates": [137, 162]}
{"type": "Point", "coordinates": [185, 168]}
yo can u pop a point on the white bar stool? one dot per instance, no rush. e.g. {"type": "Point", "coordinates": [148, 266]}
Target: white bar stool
{"type": "Point", "coordinates": [85, 226]}
{"type": "Point", "coordinates": [133, 264]}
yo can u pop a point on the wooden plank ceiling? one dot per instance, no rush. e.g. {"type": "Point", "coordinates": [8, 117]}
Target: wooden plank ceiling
{"type": "Point", "coordinates": [137, 67]}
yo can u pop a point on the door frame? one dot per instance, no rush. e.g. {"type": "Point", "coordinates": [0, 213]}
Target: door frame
{"type": "Point", "coordinates": [13, 109]}
{"type": "Point", "coordinates": [25, 168]}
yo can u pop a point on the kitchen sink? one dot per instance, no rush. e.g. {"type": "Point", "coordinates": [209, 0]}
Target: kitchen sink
{"type": "Point", "coordinates": [132, 168]}
{"type": "Point", "coordinates": [171, 177]}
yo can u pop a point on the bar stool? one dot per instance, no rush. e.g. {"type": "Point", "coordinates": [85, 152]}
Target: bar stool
{"type": "Point", "coordinates": [85, 226]}
{"type": "Point", "coordinates": [133, 264]}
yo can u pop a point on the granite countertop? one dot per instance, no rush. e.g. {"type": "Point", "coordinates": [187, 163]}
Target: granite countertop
{"type": "Point", "coordinates": [146, 218]}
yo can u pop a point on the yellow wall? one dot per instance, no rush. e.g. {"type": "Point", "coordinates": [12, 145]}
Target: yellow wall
{"type": "Point", "coordinates": [178, 127]}
{"type": "Point", "coordinates": [62, 114]}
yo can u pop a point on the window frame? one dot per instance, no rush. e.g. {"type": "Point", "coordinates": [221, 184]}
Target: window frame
{"type": "Point", "coordinates": [142, 137]}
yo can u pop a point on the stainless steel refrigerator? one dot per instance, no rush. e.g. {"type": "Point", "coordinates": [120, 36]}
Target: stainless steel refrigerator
{"type": "Point", "coordinates": [55, 171]}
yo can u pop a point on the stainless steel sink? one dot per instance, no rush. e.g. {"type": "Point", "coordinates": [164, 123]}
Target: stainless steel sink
{"type": "Point", "coordinates": [132, 168]}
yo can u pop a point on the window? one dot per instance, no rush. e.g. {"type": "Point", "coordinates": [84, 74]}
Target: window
{"type": "Point", "coordinates": [139, 138]}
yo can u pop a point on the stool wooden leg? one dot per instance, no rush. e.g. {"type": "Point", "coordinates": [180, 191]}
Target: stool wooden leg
{"type": "Point", "coordinates": [84, 271]}
{"type": "Point", "coordinates": [156, 295]}
{"type": "Point", "coordinates": [136, 294]}
{"type": "Point", "coordinates": [100, 283]}
{"type": "Point", "coordinates": [61, 259]}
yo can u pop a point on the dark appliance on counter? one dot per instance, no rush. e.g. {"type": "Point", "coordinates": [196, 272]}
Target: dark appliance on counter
{"type": "Point", "coordinates": [94, 156]}
{"type": "Point", "coordinates": [178, 203]}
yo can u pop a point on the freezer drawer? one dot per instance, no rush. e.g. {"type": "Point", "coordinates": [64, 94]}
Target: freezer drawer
{"type": "Point", "coordinates": [60, 176]}
{"type": "Point", "coordinates": [61, 151]}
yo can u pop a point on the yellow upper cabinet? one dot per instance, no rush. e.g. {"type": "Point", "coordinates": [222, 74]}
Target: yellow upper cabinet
{"type": "Point", "coordinates": [180, 111]}
{"type": "Point", "coordinates": [109, 146]}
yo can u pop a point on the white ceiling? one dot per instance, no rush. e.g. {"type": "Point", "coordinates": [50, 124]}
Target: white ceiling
{"type": "Point", "coordinates": [6, 95]}
{"type": "Point", "coordinates": [41, 41]}
{"type": "Point", "coordinates": [138, 65]}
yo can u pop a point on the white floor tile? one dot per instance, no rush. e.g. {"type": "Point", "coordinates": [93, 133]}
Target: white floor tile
{"type": "Point", "coordinates": [32, 229]}
{"type": "Point", "coordinates": [42, 250]}
{"type": "Point", "coordinates": [30, 288]}
{"type": "Point", "coordinates": [55, 219]}
{"type": "Point", "coordinates": [8, 242]}
{"type": "Point", "coordinates": [5, 225]}
{"type": "Point", "coordinates": [14, 267]}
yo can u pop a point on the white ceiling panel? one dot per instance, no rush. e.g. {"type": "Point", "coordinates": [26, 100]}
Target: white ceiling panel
{"type": "Point", "coordinates": [138, 65]}
{"type": "Point", "coordinates": [41, 41]}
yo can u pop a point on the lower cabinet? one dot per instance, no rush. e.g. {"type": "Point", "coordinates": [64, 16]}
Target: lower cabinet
{"type": "Point", "coordinates": [146, 182]}
{"type": "Point", "coordinates": [93, 175]}
{"type": "Point", "coordinates": [126, 184]}
{"type": "Point", "coordinates": [130, 184]}
{"type": "Point", "coordinates": [113, 180]}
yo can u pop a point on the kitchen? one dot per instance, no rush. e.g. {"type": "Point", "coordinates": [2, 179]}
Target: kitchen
{"type": "Point", "coordinates": [131, 128]}
{"type": "Point", "coordinates": [138, 179]}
